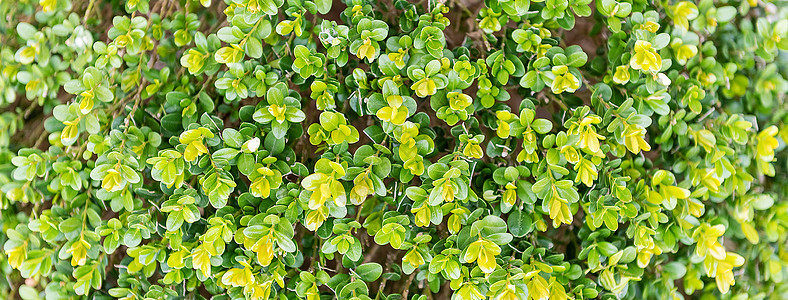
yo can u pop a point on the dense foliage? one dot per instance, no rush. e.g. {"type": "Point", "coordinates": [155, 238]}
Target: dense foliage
{"type": "Point", "coordinates": [392, 149]}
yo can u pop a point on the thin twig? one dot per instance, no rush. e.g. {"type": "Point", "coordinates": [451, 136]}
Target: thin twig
{"type": "Point", "coordinates": [407, 285]}
{"type": "Point", "coordinates": [87, 12]}
{"type": "Point", "coordinates": [703, 117]}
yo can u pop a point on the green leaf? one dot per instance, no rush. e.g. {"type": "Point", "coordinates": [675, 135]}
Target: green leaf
{"type": "Point", "coordinates": [369, 272]}
{"type": "Point", "coordinates": [675, 270]}
{"type": "Point", "coordinates": [174, 220]}
{"type": "Point", "coordinates": [28, 293]}
{"type": "Point", "coordinates": [71, 227]}
{"type": "Point", "coordinates": [274, 144]}
{"type": "Point", "coordinates": [171, 122]}
{"type": "Point", "coordinates": [726, 13]}
{"type": "Point", "coordinates": [542, 126]}
{"type": "Point", "coordinates": [607, 249]}
{"type": "Point", "coordinates": [323, 6]}
{"type": "Point", "coordinates": [226, 154]}
{"type": "Point", "coordinates": [230, 35]}
{"type": "Point", "coordinates": [232, 138]}
{"type": "Point", "coordinates": [271, 7]}
{"type": "Point", "coordinates": [522, 6]}
{"type": "Point", "coordinates": [26, 31]}
{"type": "Point", "coordinates": [375, 133]}
{"type": "Point", "coordinates": [519, 223]}
{"type": "Point", "coordinates": [577, 59]}
{"type": "Point", "coordinates": [529, 80]}
{"type": "Point", "coordinates": [246, 163]}
{"type": "Point", "coordinates": [254, 48]}
{"type": "Point", "coordinates": [661, 40]}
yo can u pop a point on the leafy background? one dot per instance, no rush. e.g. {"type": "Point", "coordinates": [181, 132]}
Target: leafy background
{"type": "Point", "coordinates": [362, 149]}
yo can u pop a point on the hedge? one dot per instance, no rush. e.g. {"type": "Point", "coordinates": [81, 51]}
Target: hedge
{"type": "Point", "coordinates": [393, 149]}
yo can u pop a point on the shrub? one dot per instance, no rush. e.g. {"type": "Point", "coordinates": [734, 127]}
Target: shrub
{"type": "Point", "coordinates": [372, 149]}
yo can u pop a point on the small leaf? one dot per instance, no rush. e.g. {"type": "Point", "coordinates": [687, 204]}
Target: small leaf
{"type": "Point", "coordinates": [542, 126]}
{"type": "Point", "coordinates": [323, 6]}
{"type": "Point", "coordinates": [369, 272]}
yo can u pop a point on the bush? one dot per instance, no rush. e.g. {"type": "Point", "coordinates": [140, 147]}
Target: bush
{"type": "Point", "coordinates": [373, 149]}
